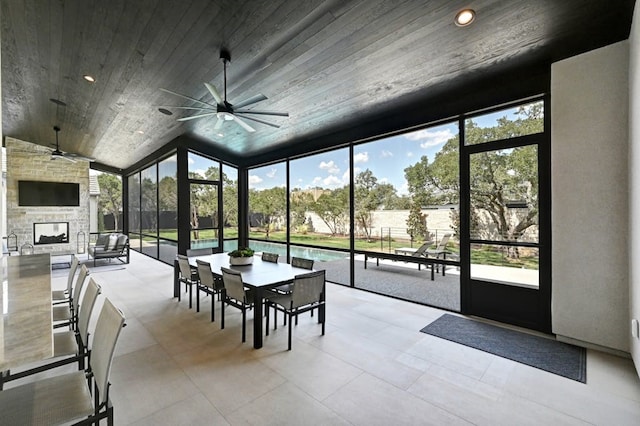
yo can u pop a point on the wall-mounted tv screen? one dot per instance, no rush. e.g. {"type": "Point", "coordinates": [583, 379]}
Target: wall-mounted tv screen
{"type": "Point", "coordinates": [38, 193]}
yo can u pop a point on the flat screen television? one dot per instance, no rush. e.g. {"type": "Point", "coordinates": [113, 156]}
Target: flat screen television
{"type": "Point", "coordinates": [38, 193]}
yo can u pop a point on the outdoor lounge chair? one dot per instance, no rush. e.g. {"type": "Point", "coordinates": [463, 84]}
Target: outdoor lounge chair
{"type": "Point", "coordinates": [441, 250]}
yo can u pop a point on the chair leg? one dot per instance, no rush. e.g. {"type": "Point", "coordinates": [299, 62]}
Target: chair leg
{"type": "Point", "coordinates": [290, 321]}
{"type": "Point", "coordinates": [222, 313]}
{"type": "Point", "coordinates": [244, 325]}
{"type": "Point", "coordinates": [197, 298]}
{"type": "Point", "coordinates": [190, 293]}
{"type": "Point", "coordinates": [213, 308]}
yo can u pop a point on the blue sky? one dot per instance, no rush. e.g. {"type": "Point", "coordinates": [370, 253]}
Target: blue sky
{"type": "Point", "coordinates": [386, 158]}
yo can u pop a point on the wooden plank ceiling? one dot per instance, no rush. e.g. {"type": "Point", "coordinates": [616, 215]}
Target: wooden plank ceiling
{"type": "Point", "coordinates": [331, 64]}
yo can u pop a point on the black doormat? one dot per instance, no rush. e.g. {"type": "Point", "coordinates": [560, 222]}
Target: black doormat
{"type": "Point", "coordinates": [549, 355]}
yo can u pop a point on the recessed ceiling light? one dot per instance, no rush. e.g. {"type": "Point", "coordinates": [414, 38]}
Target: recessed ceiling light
{"type": "Point", "coordinates": [89, 78]}
{"type": "Point", "coordinates": [465, 17]}
{"type": "Point", "coordinates": [165, 111]}
{"type": "Point", "coordinates": [221, 134]}
{"type": "Point", "coordinates": [140, 132]}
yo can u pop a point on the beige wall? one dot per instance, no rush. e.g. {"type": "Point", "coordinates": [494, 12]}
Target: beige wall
{"type": "Point", "coordinates": [28, 161]}
{"type": "Point", "coordinates": [589, 137]}
{"type": "Point", "coordinates": [634, 183]}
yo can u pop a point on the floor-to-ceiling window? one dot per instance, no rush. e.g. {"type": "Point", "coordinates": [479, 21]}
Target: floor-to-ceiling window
{"type": "Point", "coordinates": [229, 207]}
{"type": "Point", "coordinates": [204, 201]}
{"type": "Point", "coordinates": [168, 209]}
{"type": "Point", "coordinates": [268, 208]}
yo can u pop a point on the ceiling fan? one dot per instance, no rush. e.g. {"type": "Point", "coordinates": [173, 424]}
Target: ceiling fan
{"type": "Point", "coordinates": [57, 154]}
{"type": "Point", "coordinates": [223, 110]}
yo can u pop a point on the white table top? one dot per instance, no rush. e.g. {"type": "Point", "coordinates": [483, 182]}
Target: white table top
{"type": "Point", "coordinates": [258, 274]}
{"type": "Point", "coordinates": [26, 332]}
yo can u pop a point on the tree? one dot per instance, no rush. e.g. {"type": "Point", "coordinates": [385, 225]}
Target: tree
{"type": "Point", "coordinates": [229, 201]}
{"type": "Point", "coordinates": [333, 208]}
{"type": "Point", "coordinates": [110, 198]}
{"type": "Point", "coordinates": [370, 195]}
{"type": "Point", "coordinates": [417, 224]}
{"type": "Point", "coordinates": [270, 203]}
{"type": "Point", "coordinates": [300, 202]}
{"type": "Point", "coordinates": [499, 179]}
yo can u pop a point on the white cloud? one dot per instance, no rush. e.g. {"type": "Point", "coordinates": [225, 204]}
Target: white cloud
{"type": "Point", "coordinates": [431, 138]}
{"type": "Point", "coordinates": [201, 172]}
{"type": "Point", "coordinates": [383, 180]}
{"type": "Point", "coordinates": [271, 173]}
{"type": "Point", "coordinates": [409, 154]}
{"type": "Point", "coordinates": [254, 179]}
{"type": "Point", "coordinates": [332, 181]}
{"type": "Point", "coordinates": [385, 154]}
{"type": "Point", "coordinates": [345, 177]}
{"type": "Point", "coordinates": [361, 157]}
{"type": "Point", "coordinates": [330, 167]}
{"type": "Point", "coordinates": [191, 160]}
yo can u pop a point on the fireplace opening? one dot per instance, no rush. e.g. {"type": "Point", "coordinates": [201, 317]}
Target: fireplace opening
{"type": "Point", "coordinates": [51, 233]}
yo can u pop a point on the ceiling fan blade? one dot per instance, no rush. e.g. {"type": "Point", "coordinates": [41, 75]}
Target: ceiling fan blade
{"type": "Point", "coordinates": [57, 156]}
{"type": "Point", "coordinates": [252, 100]}
{"type": "Point", "coordinates": [218, 124]}
{"type": "Point", "coordinates": [214, 92]}
{"type": "Point", "coordinates": [280, 114]}
{"type": "Point", "coordinates": [71, 156]}
{"type": "Point", "coordinates": [188, 97]}
{"type": "Point", "coordinates": [186, 107]}
{"type": "Point", "coordinates": [243, 124]}
{"type": "Point", "coordinates": [192, 117]}
{"type": "Point", "coordinates": [257, 120]}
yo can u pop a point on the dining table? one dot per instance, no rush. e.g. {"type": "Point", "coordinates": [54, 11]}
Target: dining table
{"type": "Point", "coordinates": [259, 276]}
{"type": "Point", "coordinates": [26, 332]}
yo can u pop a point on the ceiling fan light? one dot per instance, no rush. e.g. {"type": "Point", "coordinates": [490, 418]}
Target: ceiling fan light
{"type": "Point", "coordinates": [224, 116]}
{"type": "Point", "coordinates": [465, 17]}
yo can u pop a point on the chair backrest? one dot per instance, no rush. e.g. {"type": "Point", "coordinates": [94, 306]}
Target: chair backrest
{"type": "Point", "coordinates": [270, 257]}
{"type": "Point", "coordinates": [121, 242]}
{"type": "Point", "coordinates": [443, 242]}
{"type": "Point", "coordinates": [199, 251]}
{"type": "Point", "coordinates": [422, 250]}
{"type": "Point", "coordinates": [105, 337]}
{"type": "Point", "coordinates": [307, 288]}
{"type": "Point", "coordinates": [185, 269]}
{"type": "Point", "coordinates": [86, 307]}
{"type": "Point", "coordinates": [300, 262]}
{"type": "Point", "coordinates": [82, 275]}
{"type": "Point", "coordinates": [205, 274]}
{"type": "Point", "coordinates": [72, 273]}
{"type": "Point", "coordinates": [233, 284]}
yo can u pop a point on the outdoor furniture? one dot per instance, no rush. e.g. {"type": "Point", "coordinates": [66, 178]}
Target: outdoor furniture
{"type": "Point", "coordinates": [70, 397]}
{"type": "Point", "coordinates": [64, 315]}
{"type": "Point", "coordinates": [27, 334]}
{"type": "Point", "coordinates": [236, 296]}
{"type": "Point", "coordinates": [110, 246]}
{"type": "Point", "coordinates": [270, 257]}
{"type": "Point", "coordinates": [188, 276]}
{"type": "Point", "coordinates": [259, 277]}
{"type": "Point", "coordinates": [209, 284]}
{"type": "Point", "coordinates": [62, 296]}
{"type": "Point", "coordinates": [298, 262]}
{"type": "Point", "coordinates": [308, 294]}
{"type": "Point", "coordinates": [420, 260]}
{"type": "Point", "coordinates": [72, 345]}
{"type": "Point", "coordinates": [440, 250]}
{"type": "Point", "coordinates": [199, 251]}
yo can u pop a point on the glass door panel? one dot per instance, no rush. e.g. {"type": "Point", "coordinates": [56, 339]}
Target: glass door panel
{"type": "Point", "coordinates": [203, 215]}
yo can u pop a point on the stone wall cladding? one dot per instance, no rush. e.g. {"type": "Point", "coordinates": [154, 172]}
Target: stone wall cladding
{"type": "Point", "coordinates": [28, 161]}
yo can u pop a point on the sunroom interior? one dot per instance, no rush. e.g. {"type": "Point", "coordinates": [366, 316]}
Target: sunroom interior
{"type": "Point", "coordinates": [578, 140]}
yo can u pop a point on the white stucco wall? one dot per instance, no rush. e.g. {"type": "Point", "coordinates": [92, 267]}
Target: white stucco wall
{"type": "Point", "coordinates": [589, 137]}
{"type": "Point", "coordinates": [634, 182]}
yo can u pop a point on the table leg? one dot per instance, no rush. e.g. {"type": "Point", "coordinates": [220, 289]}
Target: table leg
{"type": "Point", "coordinates": [176, 279]}
{"type": "Point", "coordinates": [257, 317]}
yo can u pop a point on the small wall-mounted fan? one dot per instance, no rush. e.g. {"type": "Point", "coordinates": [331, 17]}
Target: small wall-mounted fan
{"type": "Point", "coordinates": [57, 154]}
{"type": "Point", "coordinates": [223, 110]}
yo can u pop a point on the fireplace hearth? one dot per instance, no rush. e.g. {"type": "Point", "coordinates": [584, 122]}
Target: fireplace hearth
{"type": "Point", "coordinates": [51, 233]}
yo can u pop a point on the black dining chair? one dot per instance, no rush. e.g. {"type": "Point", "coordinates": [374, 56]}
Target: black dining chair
{"type": "Point", "coordinates": [199, 252]}
{"type": "Point", "coordinates": [64, 296]}
{"type": "Point", "coordinates": [209, 284]}
{"type": "Point", "coordinates": [308, 294]}
{"type": "Point", "coordinates": [270, 257]}
{"type": "Point", "coordinates": [237, 296]}
{"type": "Point", "coordinates": [67, 314]}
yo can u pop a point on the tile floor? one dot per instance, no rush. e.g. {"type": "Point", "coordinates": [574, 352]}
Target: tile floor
{"type": "Point", "coordinates": [373, 367]}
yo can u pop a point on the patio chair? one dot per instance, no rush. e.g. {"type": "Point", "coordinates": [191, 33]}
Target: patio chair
{"type": "Point", "coordinates": [307, 294]}
{"type": "Point", "coordinates": [188, 276]}
{"type": "Point", "coordinates": [70, 397]}
{"type": "Point", "coordinates": [270, 257]}
{"type": "Point", "coordinates": [199, 252]}
{"type": "Point", "coordinates": [236, 296]}
{"type": "Point", "coordinates": [440, 250]}
{"type": "Point", "coordinates": [298, 262]}
{"type": "Point", "coordinates": [209, 284]}
{"type": "Point", "coordinates": [62, 296]}
{"type": "Point", "coordinates": [64, 315]}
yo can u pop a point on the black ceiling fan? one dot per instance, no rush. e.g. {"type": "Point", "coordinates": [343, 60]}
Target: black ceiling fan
{"type": "Point", "coordinates": [57, 153]}
{"type": "Point", "coordinates": [222, 109]}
